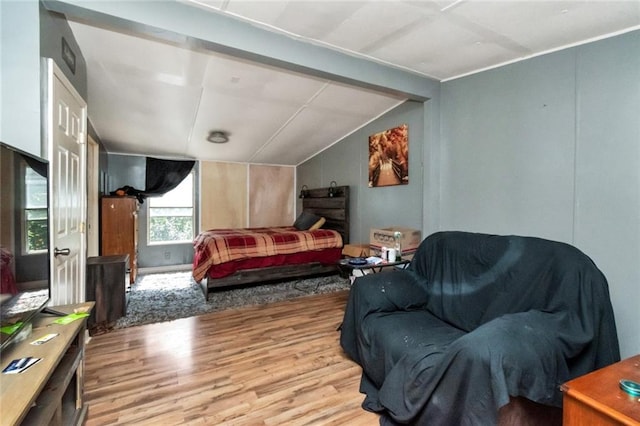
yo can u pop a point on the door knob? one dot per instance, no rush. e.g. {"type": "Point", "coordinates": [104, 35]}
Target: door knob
{"type": "Point", "coordinates": [63, 252]}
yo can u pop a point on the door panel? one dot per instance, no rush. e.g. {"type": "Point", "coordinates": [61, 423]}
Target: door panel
{"type": "Point", "coordinates": [67, 148]}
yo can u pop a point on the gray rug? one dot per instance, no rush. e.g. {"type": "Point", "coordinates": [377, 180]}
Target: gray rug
{"type": "Point", "coordinates": [165, 297]}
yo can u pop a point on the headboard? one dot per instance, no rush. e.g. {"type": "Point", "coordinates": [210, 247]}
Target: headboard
{"type": "Point", "coordinates": [334, 209]}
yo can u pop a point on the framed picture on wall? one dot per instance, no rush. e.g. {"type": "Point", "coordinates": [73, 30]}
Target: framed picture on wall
{"type": "Point", "coordinates": [389, 157]}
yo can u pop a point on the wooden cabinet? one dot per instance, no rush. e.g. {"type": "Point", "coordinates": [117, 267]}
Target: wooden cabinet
{"type": "Point", "coordinates": [107, 286]}
{"type": "Point", "coordinates": [596, 399]}
{"type": "Point", "coordinates": [50, 391]}
{"type": "Point", "coordinates": [119, 230]}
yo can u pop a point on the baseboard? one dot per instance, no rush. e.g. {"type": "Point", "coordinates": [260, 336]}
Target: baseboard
{"type": "Point", "coordinates": [163, 269]}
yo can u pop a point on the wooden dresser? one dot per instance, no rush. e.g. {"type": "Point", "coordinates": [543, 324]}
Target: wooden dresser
{"type": "Point", "coordinates": [596, 399]}
{"type": "Point", "coordinates": [119, 230]}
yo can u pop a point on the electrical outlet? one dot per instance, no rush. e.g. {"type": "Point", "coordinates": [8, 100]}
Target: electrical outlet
{"type": "Point", "coordinates": [167, 255]}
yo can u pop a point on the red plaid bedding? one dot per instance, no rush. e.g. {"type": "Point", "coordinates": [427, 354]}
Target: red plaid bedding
{"type": "Point", "coordinates": [218, 246]}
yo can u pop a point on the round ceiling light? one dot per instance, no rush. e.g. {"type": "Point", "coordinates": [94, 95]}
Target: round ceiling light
{"type": "Point", "coordinates": [218, 136]}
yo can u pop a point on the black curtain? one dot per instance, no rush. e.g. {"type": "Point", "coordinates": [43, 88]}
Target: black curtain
{"type": "Point", "coordinates": [164, 175]}
{"type": "Point", "coordinates": [39, 167]}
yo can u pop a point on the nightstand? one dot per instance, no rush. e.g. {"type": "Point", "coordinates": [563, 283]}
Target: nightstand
{"type": "Point", "coordinates": [107, 285]}
{"type": "Point", "coordinates": [596, 399]}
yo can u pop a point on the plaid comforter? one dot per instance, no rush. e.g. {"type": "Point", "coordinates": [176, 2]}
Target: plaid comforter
{"type": "Point", "coordinates": [218, 246]}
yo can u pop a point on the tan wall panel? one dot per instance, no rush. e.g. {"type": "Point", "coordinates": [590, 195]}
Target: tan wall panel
{"type": "Point", "coordinates": [271, 200]}
{"type": "Point", "coordinates": [223, 195]}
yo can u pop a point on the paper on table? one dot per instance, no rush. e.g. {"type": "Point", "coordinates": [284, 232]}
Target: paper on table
{"type": "Point", "coordinates": [71, 317]}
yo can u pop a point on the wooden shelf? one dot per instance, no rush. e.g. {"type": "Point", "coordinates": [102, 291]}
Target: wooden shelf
{"type": "Point", "coordinates": [51, 391]}
{"type": "Point", "coordinates": [48, 402]}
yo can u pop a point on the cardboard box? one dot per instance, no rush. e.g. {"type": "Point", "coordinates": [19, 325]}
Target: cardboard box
{"type": "Point", "coordinates": [385, 237]}
{"type": "Point", "coordinates": [356, 250]}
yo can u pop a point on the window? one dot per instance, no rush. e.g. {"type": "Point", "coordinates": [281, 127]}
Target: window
{"type": "Point", "coordinates": [35, 220]}
{"type": "Point", "coordinates": [171, 215]}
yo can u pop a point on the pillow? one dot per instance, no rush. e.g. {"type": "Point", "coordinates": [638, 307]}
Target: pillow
{"type": "Point", "coordinates": [318, 224]}
{"type": "Point", "coordinates": [306, 220]}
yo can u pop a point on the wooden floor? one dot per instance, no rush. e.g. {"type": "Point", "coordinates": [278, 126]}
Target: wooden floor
{"type": "Point", "coordinates": [278, 364]}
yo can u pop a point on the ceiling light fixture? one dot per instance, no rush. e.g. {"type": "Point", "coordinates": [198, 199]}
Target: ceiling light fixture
{"type": "Point", "coordinates": [218, 136]}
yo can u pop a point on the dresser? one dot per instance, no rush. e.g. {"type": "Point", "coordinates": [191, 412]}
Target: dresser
{"type": "Point", "coordinates": [596, 399]}
{"type": "Point", "coordinates": [119, 230]}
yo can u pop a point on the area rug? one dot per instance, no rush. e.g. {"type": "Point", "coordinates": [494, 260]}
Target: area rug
{"type": "Point", "coordinates": [166, 297]}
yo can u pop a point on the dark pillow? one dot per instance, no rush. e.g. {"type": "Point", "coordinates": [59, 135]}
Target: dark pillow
{"type": "Point", "coordinates": [305, 221]}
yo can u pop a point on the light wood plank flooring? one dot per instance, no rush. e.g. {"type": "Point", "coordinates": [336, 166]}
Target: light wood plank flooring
{"type": "Point", "coordinates": [278, 364]}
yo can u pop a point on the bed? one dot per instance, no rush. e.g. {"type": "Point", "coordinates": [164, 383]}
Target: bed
{"type": "Point", "coordinates": [232, 257]}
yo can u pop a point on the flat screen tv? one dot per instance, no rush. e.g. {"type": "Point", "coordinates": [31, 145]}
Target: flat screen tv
{"type": "Point", "coordinates": [24, 241]}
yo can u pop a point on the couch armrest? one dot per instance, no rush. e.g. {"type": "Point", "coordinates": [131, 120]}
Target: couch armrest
{"type": "Point", "coordinates": [389, 292]}
{"type": "Point", "coordinates": [382, 292]}
{"type": "Point", "coordinates": [519, 354]}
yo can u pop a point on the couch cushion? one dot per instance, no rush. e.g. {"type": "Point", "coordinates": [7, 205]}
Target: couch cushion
{"type": "Point", "coordinates": [404, 334]}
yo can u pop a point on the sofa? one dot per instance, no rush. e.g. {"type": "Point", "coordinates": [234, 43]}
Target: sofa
{"type": "Point", "coordinates": [479, 330]}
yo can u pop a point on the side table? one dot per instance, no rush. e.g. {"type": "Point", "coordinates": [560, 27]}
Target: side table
{"type": "Point", "coordinates": [347, 269]}
{"type": "Point", "coordinates": [107, 285]}
{"type": "Point", "coordinates": [596, 398]}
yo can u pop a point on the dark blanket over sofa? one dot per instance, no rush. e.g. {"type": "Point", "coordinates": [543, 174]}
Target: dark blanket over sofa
{"type": "Point", "coordinates": [475, 320]}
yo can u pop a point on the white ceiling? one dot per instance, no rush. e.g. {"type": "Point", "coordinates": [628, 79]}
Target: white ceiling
{"type": "Point", "coordinates": [151, 98]}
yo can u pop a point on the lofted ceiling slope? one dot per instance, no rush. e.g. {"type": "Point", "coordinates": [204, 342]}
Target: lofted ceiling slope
{"type": "Point", "coordinates": [151, 97]}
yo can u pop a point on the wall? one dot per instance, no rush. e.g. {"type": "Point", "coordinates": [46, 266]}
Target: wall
{"type": "Point", "coordinates": [550, 147]}
{"type": "Point", "coordinates": [130, 170]}
{"type": "Point", "coordinates": [223, 200]}
{"type": "Point", "coordinates": [266, 189]}
{"type": "Point", "coordinates": [28, 32]}
{"type": "Point", "coordinates": [271, 201]}
{"type": "Point", "coordinates": [347, 163]}
{"type": "Point", "coordinates": [53, 28]}
{"type": "Point", "coordinates": [238, 195]}
{"type": "Point", "coordinates": [20, 82]}
{"type": "Point", "coordinates": [607, 209]}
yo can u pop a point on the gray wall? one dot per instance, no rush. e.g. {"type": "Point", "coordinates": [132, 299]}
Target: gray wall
{"type": "Point", "coordinates": [20, 82]}
{"type": "Point", "coordinates": [550, 147]}
{"type": "Point", "coordinates": [129, 170]}
{"type": "Point", "coordinates": [54, 27]}
{"type": "Point", "coordinates": [347, 163]}
{"type": "Point", "coordinates": [28, 32]}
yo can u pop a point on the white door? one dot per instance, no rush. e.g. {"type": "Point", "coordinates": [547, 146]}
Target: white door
{"type": "Point", "coordinates": [66, 140]}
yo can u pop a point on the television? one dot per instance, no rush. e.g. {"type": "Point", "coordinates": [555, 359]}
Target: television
{"type": "Point", "coordinates": [24, 242]}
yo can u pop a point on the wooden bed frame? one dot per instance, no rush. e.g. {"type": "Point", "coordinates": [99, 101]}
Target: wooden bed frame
{"type": "Point", "coordinates": [336, 212]}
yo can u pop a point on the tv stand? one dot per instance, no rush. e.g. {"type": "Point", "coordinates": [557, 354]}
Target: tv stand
{"type": "Point", "coordinates": [52, 311]}
{"type": "Point", "coordinates": [51, 391]}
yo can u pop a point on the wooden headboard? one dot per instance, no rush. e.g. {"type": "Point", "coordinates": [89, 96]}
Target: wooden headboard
{"type": "Point", "coordinates": [334, 209]}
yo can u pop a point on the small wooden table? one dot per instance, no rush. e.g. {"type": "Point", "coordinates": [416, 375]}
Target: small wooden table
{"type": "Point", "coordinates": [347, 268]}
{"type": "Point", "coordinates": [108, 286]}
{"type": "Point", "coordinates": [596, 399]}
